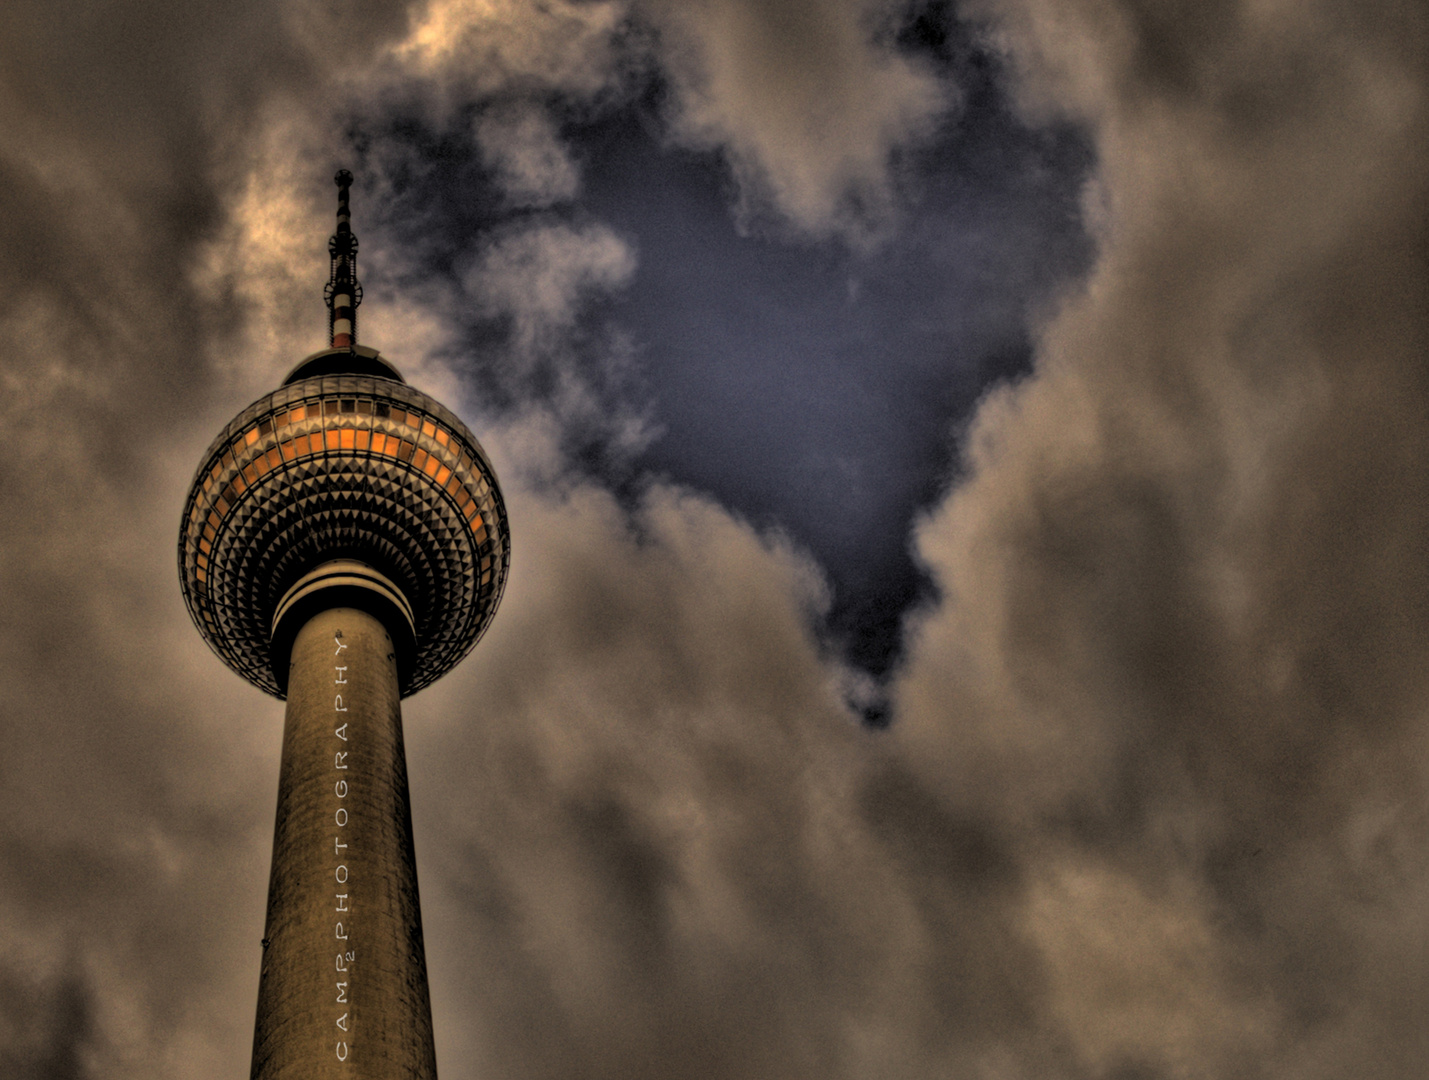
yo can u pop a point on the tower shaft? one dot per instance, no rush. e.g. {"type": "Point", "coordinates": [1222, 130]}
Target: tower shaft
{"type": "Point", "coordinates": [343, 991]}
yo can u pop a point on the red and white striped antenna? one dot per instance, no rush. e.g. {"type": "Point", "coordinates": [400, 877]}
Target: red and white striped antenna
{"type": "Point", "coordinates": [344, 291]}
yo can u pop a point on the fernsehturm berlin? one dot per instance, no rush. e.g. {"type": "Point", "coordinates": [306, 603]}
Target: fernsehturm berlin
{"type": "Point", "coordinates": [343, 545]}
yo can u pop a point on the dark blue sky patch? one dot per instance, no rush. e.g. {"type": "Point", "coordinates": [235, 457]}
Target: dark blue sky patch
{"type": "Point", "coordinates": [806, 385]}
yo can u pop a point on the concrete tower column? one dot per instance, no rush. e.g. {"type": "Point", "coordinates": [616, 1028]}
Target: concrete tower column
{"type": "Point", "coordinates": [343, 544]}
{"type": "Point", "coordinates": [343, 991]}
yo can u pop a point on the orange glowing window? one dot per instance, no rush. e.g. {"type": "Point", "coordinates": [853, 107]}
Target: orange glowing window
{"type": "Point", "coordinates": [251, 472]}
{"type": "Point", "coordinates": [475, 517]}
{"type": "Point", "coordinates": [363, 437]}
{"type": "Point", "coordinates": [250, 436]}
{"type": "Point", "coordinates": [203, 560]}
{"type": "Point", "coordinates": [331, 438]}
{"type": "Point", "coordinates": [217, 468]}
{"type": "Point", "coordinates": [347, 438]}
{"type": "Point", "coordinates": [275, 458]}
{"type": "Point", "coordinates": [208, 530]}
{"type": "Point", "coordinates": [431, 466]}
{"type": "Point", "coordinates": [239, 485]}
{"type": "Point", "coordinates": [413, 420]}
{"type": "Point", "coordinates": [442, 474]}
{"type": "Point", "coordinates": [379, 443]}
{"type": "Point", "coordinates": [200, 574]}
{"type": "Point", "coordinates": [453, 485]}
{"type": "Point", "coordinates": [288, 452]}
{"type": "Point", "coordinates": [479, 533]}
{"type": "Point", "coordinates": [419, 458]}
{"type": "Point", "coordinates": [260, 465]}
{"type": "Point", "coordinates": [221, 506]}
{"type": "Point", "coordinates": [429, 428]}
{"type": "Point", "coordinates": [205, 546]}
{"type": "Point", "coordinates": [300, 413]}
{"type": "Point", "coordinates": [463, 498]}
{"type": "Point", "coordinates": [280, 419]}
{"type": "Point", "coordinates": [227, 459]}
{"type": "Point", "coordinates": [404, 451]}
{"type": "Point", "coordinates": [443, 437]}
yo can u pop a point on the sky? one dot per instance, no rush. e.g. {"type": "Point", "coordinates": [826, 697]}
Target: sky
{"type": "Point", "coordinates": [965, 462]}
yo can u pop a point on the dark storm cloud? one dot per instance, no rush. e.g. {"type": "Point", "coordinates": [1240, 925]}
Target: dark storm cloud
{"type": "Point", "coordinates": [132, 794]}
{"type": "Point", "coordinates": [1182, 642]}
{"type": "Point", "coordinates": [1153, 805]}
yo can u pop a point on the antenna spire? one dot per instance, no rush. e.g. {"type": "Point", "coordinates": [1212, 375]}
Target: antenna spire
{"type": "Point", "coordinates": [343, 292]}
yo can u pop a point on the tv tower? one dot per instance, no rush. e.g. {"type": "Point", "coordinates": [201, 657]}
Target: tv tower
{"type": "Point", "coordinates": [343, 545]}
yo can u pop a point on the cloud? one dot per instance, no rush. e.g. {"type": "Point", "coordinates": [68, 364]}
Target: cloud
{"type": "Point", "coordinates": [1180, 644]}
{"type": "Point", "coordinates": [533, 166]}
{"type": "Point", "coordinates": [808, 102]}
{"type": "Point", "coordinates": [477, 48]}
{"type": "Point", "coordinates": [541, 276]}
{"type": "Point", "coordinates": [1153, 804]}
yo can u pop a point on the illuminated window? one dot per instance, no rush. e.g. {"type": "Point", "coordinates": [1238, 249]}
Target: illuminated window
{"type": "Point", "coordinates": [250, 436]}
{"type": "Point", "coordinates": [442, 437]}
{"type": "Point", "coordinates": [362, 438]}
{"type": "Point", "coordinates": [274, 458]}
{"type": "Point", "coordinates": [331, 438]}
{"type": "Point", "coordinates": [346, 438]}
{"type": "Point", "coordinates": [429, 428]}
{"type": "Point", "coordinates": [442, 474]}
{"type": "Point", "coordinates": [419, 458]}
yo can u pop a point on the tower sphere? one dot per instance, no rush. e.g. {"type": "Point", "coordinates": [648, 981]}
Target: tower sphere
{"type": "Point", "coordinates": [343, 478]}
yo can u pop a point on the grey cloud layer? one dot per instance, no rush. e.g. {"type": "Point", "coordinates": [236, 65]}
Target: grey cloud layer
{"type": "Point", "coordinates": [1155, 802]}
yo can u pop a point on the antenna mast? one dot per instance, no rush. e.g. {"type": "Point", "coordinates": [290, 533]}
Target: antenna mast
{"type": "Point", "coordinates": [343, 292]}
